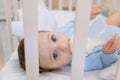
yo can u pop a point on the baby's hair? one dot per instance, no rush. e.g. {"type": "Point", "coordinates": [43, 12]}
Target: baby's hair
{"type": "Point", "coordinates": [21, 56]}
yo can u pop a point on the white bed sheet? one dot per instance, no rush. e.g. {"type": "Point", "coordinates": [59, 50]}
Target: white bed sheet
{"type": "Point", "coordinates": [13, 71]}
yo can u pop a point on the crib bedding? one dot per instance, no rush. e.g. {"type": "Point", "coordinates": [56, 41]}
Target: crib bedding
{"type": "Point", "coordinates": [55, 17]}
{"type": "Point", "coordinates": [13, 71]}
{"type": "Point", "coordinates": [48, 24]}
{"type": "Point", "coordinates": [61, 18]}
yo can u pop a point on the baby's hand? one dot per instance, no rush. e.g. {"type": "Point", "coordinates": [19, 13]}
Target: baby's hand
{"type": "Point", "coordinates": [95, 10]}
{"type": "Point", "coordinates": [112, 45]}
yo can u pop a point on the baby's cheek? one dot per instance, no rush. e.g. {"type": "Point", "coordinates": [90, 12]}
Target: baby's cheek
{"type": "Point", "coordinates": [67, 58]}
{"type": "Point", "coordinates": [64, 58]}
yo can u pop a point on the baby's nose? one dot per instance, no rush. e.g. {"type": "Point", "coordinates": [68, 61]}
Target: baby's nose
{"type": "Point", "coordinates": [64, 46]}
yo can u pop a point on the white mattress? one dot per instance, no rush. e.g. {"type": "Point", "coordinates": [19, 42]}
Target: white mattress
{"type": "Point", "coordinates": [13, 71]}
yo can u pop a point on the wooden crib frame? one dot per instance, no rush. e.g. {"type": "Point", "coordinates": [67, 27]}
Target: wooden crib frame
{"type": "Point", "coordinates": [33, 70]}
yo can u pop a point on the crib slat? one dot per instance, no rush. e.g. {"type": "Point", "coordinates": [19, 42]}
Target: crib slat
{"type": "Point", "coordinates": [114, 5]}
{"type": "Point", "coordinates": [60, 4]}
{"type": "Point", "coordinates": [70, 5]}
{"type": "Point", "coordinates": [30, 16]}
{"type": "Point", "coordinates": [21, 3]}
{"type": "Point", "coordinates": [80, 38]}
{"type": "Point", "coordinates": [118, 4]}
{"type": "Point", "coordinates": [8, 22]}
{"type": "Point", "coordinates": [15, 10]}
{"type": "Point", "coordinates": [98, 2]}
{"type": "Point", "coordinates": [1, 53]}
{"type": "Point", "coordinates": [50, 3]}
{"type": "Point", "coordinates": [117, 76]}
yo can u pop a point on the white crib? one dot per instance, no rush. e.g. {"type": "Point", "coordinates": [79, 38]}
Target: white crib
{"type": "Point", "coordinates": [32, 70]}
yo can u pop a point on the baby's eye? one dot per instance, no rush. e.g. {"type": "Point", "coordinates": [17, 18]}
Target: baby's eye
{"type": "Point", "coordinates": [53, 38]}
{"type": "Point", "coordinates": [55, 55]}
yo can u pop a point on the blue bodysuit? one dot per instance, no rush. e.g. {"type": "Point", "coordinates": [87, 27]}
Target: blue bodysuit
{"type": "Point", "coordinates": [95, 60]}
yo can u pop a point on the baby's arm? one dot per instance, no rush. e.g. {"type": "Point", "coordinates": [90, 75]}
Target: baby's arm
{"type": "Point", "coordinates": [103, 57]}
{"type": "Point", "coordinates": [114, 19]}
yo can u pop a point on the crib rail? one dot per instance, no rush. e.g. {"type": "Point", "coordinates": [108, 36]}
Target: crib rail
{"type": "Point", "coordinates": [117, 76]}
{"type": "Point", "coordinates": [50, 4]}
{"type": "Point", "coordinates": [60, 3]}
{"type": "Point", "coordinates": [80, 42]}
{"type": "Point", "coordinates": [114, 5]}
{"type": "Point", "coordinates": [16, 18]}
{"type": "Point", "coordinates": [21, 3]}
{"type": "Point", "coordinates": [15, 10]}
{"type": "Point", "coordinates": [8, 22]}
{"type": "Point", "coordinates": [30, 16]}
{"type": "Point", "coordinates": [70, 5]}
{"type": "Point", "coordinates": [118, 4]}
{"type": "Point", "coordinates": [2, 62]}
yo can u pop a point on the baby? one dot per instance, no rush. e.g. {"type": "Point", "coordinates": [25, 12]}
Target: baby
{"type": "Point", "coordinates": [55, 52]}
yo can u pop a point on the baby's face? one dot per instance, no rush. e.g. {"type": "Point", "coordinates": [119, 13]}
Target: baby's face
{"type": "Point", "coordinates": [54, 50]}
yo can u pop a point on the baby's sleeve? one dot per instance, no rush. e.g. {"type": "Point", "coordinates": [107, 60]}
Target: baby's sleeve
{"type": "Point", "coordinates": [98, 60]}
